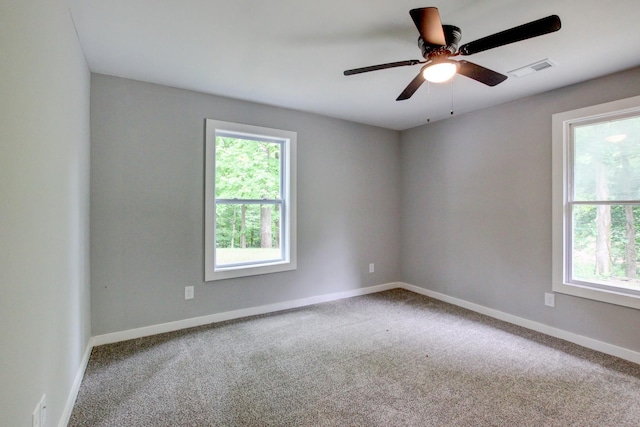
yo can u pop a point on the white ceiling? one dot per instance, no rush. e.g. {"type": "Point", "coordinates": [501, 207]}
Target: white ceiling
{"type": "Point", "coordinates": [291, 53]}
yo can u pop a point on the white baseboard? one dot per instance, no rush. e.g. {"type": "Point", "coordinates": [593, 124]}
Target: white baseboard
{"type": "Point", "coordinates": [603, 347]}
{"type": "Point", "coordinates": [199, 321]}
{"type": "Point", "coordinates": [593, 344]}
{"type": "Point", "coordinates": [235, 314]}
{"type": "Point", "coordinates": [75, 387]}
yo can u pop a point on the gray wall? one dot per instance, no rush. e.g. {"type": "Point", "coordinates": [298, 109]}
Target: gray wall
{"type": "Point", "coordinates": [147, 205]}
{"type": "Point", "coordinates": [476, 218]}
{"type": "Point", "coordinates": [44, 208]}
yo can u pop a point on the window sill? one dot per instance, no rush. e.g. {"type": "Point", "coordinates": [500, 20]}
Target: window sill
{"type": "Point", "coordinates": [602, 295]}
{"type": "Point", "coordinates": [253, 270]}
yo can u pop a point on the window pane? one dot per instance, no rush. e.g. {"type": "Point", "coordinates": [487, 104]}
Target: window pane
{"type": "Point", "coordinates": [247, 169]}
{"type": "Point", "coordinates": [606, 158]}
{"type": "Point", "coordinates": [605, 245]}
{"type": "Point", "coordinates": [247, 233]}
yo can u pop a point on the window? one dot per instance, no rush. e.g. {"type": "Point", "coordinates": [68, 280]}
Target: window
{"type": "Point", "coordinates": [250, 205]}
{"type": "Point", "coordinates": [596, 202]}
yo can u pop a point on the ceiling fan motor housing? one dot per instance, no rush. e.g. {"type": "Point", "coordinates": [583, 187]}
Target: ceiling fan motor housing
{"type": "Point", "coordinates": [452, 36]}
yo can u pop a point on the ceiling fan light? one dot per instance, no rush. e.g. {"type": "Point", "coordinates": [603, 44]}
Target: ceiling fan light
{"type": "Point", "coordinates": [440, 72]}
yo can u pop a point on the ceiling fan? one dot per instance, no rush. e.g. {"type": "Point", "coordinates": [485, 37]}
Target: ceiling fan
{"type": "Point", "coordinates": [439, 43]}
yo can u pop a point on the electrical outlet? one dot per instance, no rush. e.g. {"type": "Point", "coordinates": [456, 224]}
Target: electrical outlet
{"type": "Point", "coordinates": [38, 417]}
{"type": "Point", "coordinates": [188, 292]}
{"type": "Point", "coordinates": [35, 417]}
{"type": "Point", "coordinates": [372, 268]}
{"type": "Point", "coordinates": [549, 299]}
{"type": "Point", "coordinates": [43, 411]}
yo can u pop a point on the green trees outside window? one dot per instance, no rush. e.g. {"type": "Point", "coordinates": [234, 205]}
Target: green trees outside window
{"type": "Point", "coordinates": [605, 202]}
{"type": "Point", "coordinates": [248, 200]}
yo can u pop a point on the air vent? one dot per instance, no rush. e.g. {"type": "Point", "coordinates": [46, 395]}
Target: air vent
{"type": "Point", "coordinates": [532, 68]}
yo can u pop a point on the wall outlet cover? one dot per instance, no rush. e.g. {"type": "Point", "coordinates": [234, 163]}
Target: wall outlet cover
{"type": "Point", "coordinates": [43, 411]}
{"type": "Point", "coordinates": [39, 415]}
{"type": "Point", "coordinates": [549, 299]}
{"type": "Point", "coordinates": [35, 416]}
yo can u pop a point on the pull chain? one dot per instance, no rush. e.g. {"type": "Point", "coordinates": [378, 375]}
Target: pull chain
{"type": "Point", "coordinates": [428, 100]}
{"type": "Point", "coordinates": [451, 84]}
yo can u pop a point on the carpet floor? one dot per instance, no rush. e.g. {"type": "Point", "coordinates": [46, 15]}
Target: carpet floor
{"type": "Point", "coordinates": [393, 358]}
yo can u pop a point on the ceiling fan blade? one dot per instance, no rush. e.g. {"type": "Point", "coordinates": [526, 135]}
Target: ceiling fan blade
{"type": "Point", "coordinates": [480, 74]}
{"type": "Point", "coordinates": [516, 34]}
{"type": "Point", "coordinates": [381, 67]}
{"type": "Point", "coordinates": [412, 87]}
{"type": "Point", "coordinates": [427, 20]}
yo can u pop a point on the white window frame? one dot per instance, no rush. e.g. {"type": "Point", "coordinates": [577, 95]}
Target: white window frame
{"type": "Point", "coordinates": [288, 139]}
{"type": "Point", "coordinates": [561, 168]}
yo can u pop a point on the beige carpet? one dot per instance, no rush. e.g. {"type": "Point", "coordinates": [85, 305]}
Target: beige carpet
{"type": "Point", "coordinates": [389, 359]}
